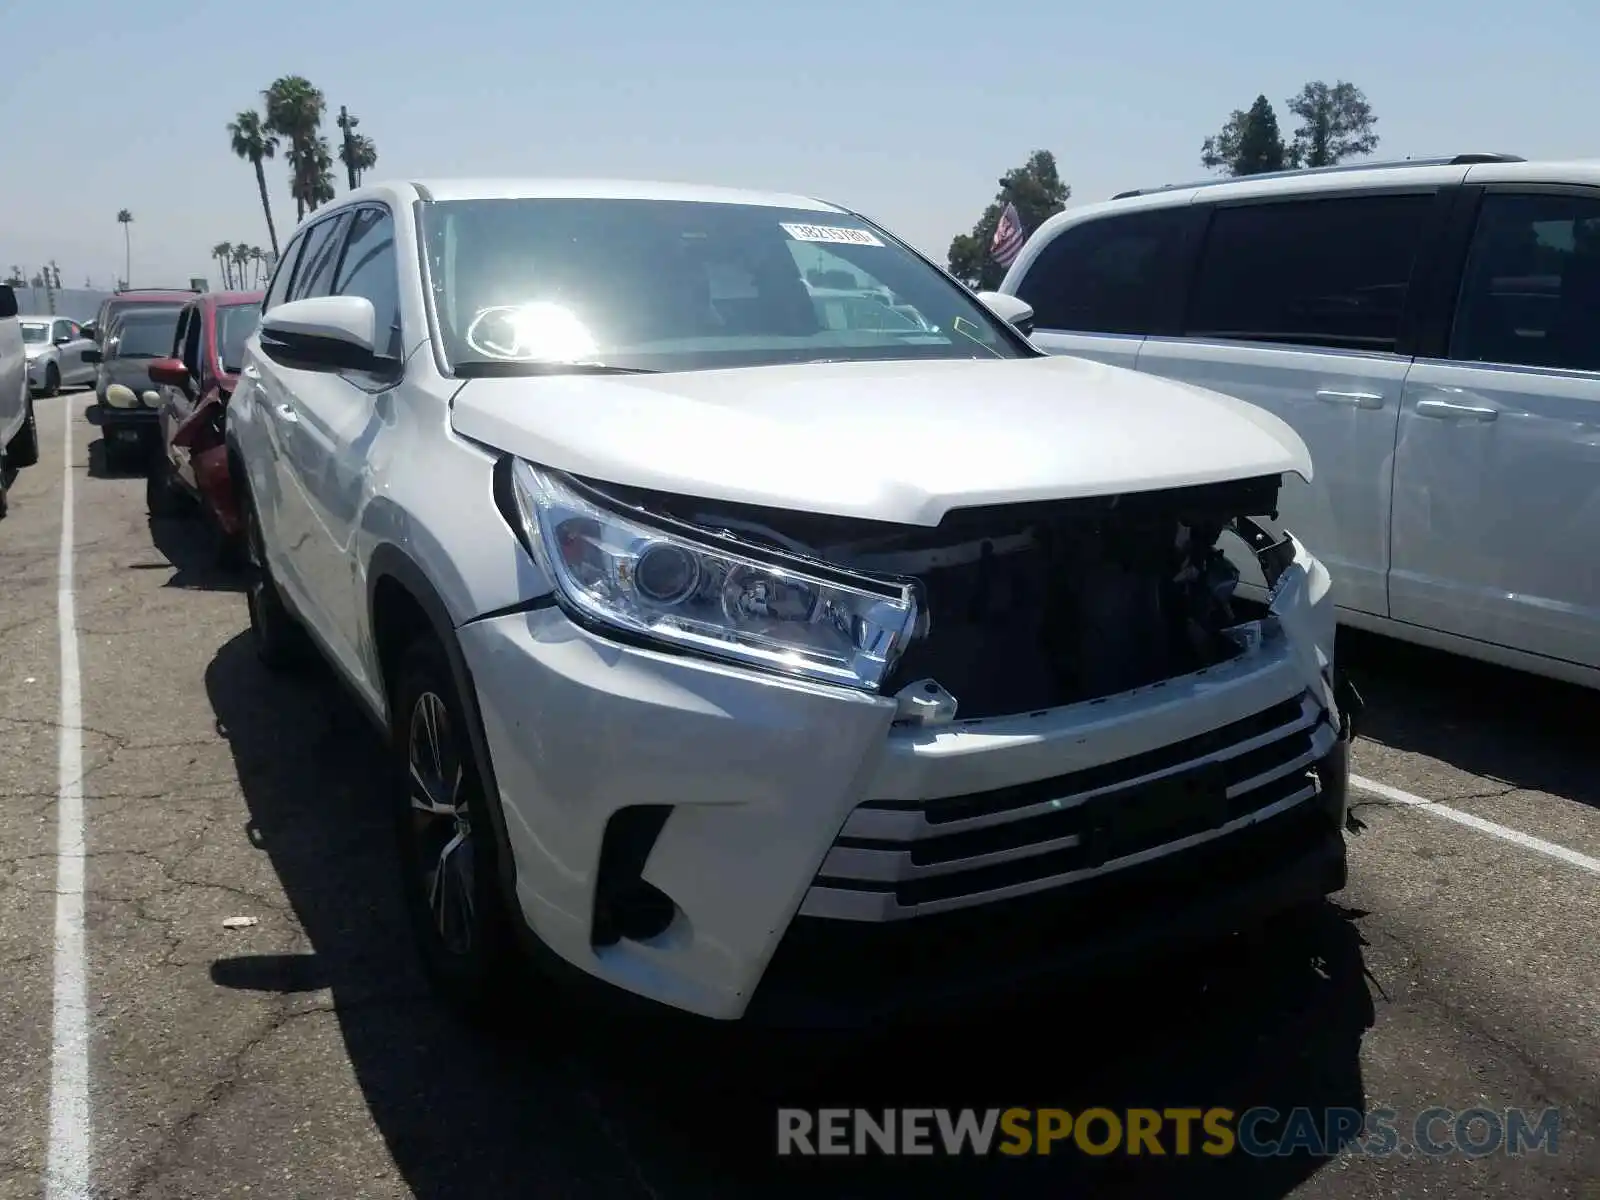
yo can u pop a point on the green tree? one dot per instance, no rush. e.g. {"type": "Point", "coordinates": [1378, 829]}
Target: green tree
{"type": "Point", "coordinates": [1037, 191]}
{"type": "Point", "coordinates": [321, 174]}
{"type": "Point", "coordinates": [357, 151]}
{"type": "Point", "coordinates": [16, 278]}
{"type": "Point", "coordinates": [223, 253]}
{"type": "Point", "coordinates": [294, 113]}
{"type": "Point", "coordinates": [1249, 143]}
{"type": "Point", "coordinates": [1336, 123]}
{"type": "Point", "coordinates": [254, 143]}
{"type": "Point", "coordinates": [125, 219]}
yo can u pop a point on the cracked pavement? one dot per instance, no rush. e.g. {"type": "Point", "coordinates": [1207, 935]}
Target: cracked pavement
{"type": "Point", "coordinates": [301, 1057]}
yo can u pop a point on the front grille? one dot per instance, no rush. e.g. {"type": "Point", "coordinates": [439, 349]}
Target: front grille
{"type": "Point", "coordinates": [898, 859]}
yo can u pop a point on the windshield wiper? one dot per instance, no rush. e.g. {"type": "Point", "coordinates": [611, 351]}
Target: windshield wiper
{"type": "Point", "coordinates": [492, 368]}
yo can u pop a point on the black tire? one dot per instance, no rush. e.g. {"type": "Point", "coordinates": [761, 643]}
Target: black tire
{"type": "Point", "coordinates": [4, 479]}
{"type": "Point", "coordinates": [24, 448]}
{"type": "Point", "coordinates": [281, 643]}
{"type": "Point", "coordinates": [161, 494]}
{"type": "Point", "coordinates": [52, 380]}
{"type": "Point", "coordinates": [448, 860]}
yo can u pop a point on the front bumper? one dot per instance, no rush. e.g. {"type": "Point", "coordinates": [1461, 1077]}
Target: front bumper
{"type": "Point", "coordinates": [825, 866]}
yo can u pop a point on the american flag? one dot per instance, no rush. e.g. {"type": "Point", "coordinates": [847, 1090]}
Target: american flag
{"type": "Point", "coordinates": [1008, 237]}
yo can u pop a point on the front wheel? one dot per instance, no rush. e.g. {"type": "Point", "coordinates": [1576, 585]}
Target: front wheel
{"type": "Point", "coordinates": [52, 380]}
{"type": "Point", "coordinates": [161, 493]}
{"type": "Point", "coordinates": [24, 448]}
{"type": "Point", "coordinates": [280, 641]}
{"type": "Point", "coordinates": [447, 846]}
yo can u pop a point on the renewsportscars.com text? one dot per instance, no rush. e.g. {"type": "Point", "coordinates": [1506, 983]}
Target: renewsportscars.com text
{"type": "Point", "coordinates": [1214, 1132]}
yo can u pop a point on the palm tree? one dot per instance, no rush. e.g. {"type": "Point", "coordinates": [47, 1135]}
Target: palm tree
{"type": "Point", "coordinates": [358, 154]}
{"type": "Point", "coordinates": [241, 259]}
{"type": "Point", "coordinates": [223, 253]}
{"type": "Point", "coordinates": [258, 256]}
{"type": "Point", "coordinates": [125, 219]}
{"type": "Point", "coordinates": [294, 112]}
{"type": "Point", "coordinates": [321, 174]}
{"type": "Point", "coordinates": [254, 143]}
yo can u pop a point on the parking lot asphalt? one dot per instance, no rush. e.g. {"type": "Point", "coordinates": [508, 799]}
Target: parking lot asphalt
{"type": "Point", "coordinates": [301, 1057]}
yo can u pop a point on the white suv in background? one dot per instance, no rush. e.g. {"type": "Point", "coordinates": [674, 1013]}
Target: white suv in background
{"type": "Point", "coordinates": [1430, 328]}
{"type": "Point", "coordinates": [19, 436]}
{"type": "Point", "coordinates": [764, 664]}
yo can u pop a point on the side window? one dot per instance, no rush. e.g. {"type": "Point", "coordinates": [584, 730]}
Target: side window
{"type": "Point", "coordinates": [278, 289]}
{"type": "Point", "coordinates": [1530, 294]}
{"type": "Point", "coordinates": [369, 269]}
{"type": "Point", "coordinates": [177, 334]}
{"type": "Point", "coordinates": [323, 243]}
{"type": "Point", "coordinates": [61, 329]}
{"type": "Point", "coordinates": [1104, 276]}
{"type": "Point", "coordinates": [191, 343]}
{"type": "Point", "coordinates": [1309, 272]}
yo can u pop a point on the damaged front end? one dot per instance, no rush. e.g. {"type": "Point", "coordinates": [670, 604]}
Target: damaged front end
{"type": "Point", "coordinates": [1030, 607]}
{"type": "Point", "coordinates": [203, 435]}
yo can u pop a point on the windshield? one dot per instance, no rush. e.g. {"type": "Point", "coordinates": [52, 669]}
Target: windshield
{"type": "Point", "coordinates": [666, 285]}
{"type": "Point", "coordinates": [235, 324]}
{"type": "Point", "coordinates": [35, 331]}
{"type": "Point", "coordinates": [146, 333]}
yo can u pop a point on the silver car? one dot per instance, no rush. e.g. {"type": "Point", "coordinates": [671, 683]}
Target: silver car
{"type": "Point", "coordinates": [55, 346]}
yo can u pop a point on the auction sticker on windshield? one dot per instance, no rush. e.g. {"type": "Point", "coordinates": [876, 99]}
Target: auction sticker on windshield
{"type": "Point", "coordinates": [831, 233]}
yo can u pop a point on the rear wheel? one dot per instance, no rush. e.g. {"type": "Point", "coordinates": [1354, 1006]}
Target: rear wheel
{"type": "Point", "coordinates": [24, 448]}
{"type": "Point", "coordinates": [5, 471]}
{"type": "Point", "coordinates": [447, 847]}
{"type": "Point", "coordinates": [281, 643]}
{"type": "Point", "coordinates": [52, 379]}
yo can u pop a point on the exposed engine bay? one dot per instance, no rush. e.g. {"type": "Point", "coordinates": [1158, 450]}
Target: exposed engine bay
{"type": "Point", "coordinates": [1033, 606]}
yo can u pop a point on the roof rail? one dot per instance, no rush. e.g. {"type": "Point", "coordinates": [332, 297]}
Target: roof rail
{"type": "Point", "coordinates": [1452, 160]}
{"type": "Point", "coordinates": [127, 291]}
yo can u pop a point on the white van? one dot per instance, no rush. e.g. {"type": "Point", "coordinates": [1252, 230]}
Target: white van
{"type": "Point", "coordinates": [1431, 329]}
{"type": "Point", "coordinates": [19, 439]}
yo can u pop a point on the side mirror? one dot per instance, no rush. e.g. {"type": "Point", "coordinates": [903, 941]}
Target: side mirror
{"type": "Point", "coordinates": [62, 340]}
{"type": "Point", "coordinates": [169, 371]}
{"type": "Point", "coordinates": [324, 333]}
{"type": "Point", "coordinates": [91, 355]}
{"type": "Point", "coordinates": [88, 331]}
{"type": "Point", "coordinates": [1009, 308]}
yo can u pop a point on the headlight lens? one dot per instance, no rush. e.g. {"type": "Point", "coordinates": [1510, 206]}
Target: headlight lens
{"type": "Point", "coordinates": [720, 602]}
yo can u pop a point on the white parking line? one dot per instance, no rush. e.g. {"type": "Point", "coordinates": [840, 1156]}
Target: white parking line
{"type": "Point", "coordinates": [1516, 837]}
{"type": "Point", "coordinates": [67, 1170]}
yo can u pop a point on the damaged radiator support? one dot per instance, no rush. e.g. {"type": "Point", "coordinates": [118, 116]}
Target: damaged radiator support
{"type": "Point", "coordinates": [1032, 606]}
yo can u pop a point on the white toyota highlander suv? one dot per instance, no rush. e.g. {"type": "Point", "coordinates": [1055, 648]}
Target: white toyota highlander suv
{"type": "Point", "coordinates": [763, 664]}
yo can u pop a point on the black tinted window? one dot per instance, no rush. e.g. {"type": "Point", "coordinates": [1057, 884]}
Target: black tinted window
{"type": "Point", "coordinates": [323, 241]}
{"type": "Point", "coordinates": [278, 289]}
{"type": "Point", "coordinates": [1313, 272]}
{"type": "Point", "coordinates": [1103, 276]}
{"type": "Point", "coordinates": [369, 270]}
{"type": "Point", "coordinates": [1530, 294]}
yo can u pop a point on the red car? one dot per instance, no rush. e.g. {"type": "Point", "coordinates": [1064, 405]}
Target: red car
{"type": "Point", "coordinates": [190, 465]}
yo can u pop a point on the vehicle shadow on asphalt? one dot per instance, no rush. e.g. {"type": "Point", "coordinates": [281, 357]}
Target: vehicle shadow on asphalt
{"type": "Point", "coordinates": [1502, 725]}
{"type": "Point", "coordinates": [193, 548]}
{"type": "Point", "coordinates": [565, 1102]}
{"type": "Point", "coordinates": [102, 466]}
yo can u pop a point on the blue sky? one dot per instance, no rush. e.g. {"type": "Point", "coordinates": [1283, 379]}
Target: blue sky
{"type": "Point", "coordinates": [907, 112]}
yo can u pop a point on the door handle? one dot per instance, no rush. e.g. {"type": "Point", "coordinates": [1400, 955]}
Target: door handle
{"type": "Point", "coordinates": [251, 373]}
{"type": "Point", "coordinates": [1444, 410]}
{"type": "Point", "coordinates": [1352, 399]}
{"type": "Point", "coordinates": [286, 411]}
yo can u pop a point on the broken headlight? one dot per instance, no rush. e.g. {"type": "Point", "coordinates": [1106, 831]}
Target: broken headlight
{"type": "Point", "coordinates": [724, 601]}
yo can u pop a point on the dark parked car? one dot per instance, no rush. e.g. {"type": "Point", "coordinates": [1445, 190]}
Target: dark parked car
{"type": "Point", "coordinates": [114, 305]}
{"type": "Point", "coordinates": [126, 398]}
{"type": "Point", "coordinates": [190, 465]}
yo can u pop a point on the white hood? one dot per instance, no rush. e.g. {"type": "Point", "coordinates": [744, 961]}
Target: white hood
{"type": "Point", "coordinates": [891, 441]}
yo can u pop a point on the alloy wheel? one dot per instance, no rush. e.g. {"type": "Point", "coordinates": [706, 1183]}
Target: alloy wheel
{"type": "Point", "coordinates": [441, 823]}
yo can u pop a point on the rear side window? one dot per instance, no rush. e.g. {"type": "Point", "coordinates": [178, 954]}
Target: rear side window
{"type": "Point", "coordinates": [278, 289]}
{"type": "Point", "coordinates": [323, 243]}
{"type": "Point", "coordinates": [1104, 276]}
{"type": "Point", "coordinates": [1530, 294]}
{"type": "Point", "coordinates": [1310, 272]}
